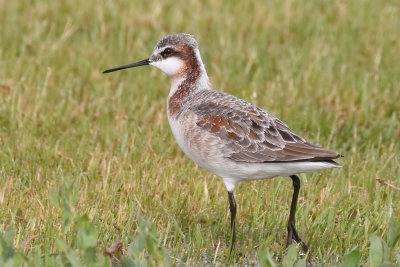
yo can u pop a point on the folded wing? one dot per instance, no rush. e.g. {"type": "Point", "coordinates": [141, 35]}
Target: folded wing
{"type": "Point", "coordinates": [251, 134]}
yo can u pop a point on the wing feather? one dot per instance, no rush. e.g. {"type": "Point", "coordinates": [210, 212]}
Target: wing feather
{"type": "Point", "coordinates": [251, 134]}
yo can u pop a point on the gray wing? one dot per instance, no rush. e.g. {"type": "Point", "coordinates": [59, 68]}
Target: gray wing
{"type": "Point", "coordinates": [250, 134]}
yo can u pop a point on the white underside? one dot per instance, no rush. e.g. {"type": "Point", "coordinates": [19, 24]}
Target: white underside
{"type": "Point", "coordinates": [256, 171]}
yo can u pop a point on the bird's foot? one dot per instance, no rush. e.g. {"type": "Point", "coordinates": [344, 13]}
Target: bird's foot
{"type": "Point", "coordinates": [293, 235]}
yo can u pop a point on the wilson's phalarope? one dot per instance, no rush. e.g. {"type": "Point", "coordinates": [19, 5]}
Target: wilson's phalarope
{"type": "Point", "coordinates": [226, 135]}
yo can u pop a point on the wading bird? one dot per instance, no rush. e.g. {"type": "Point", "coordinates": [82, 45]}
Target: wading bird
{"type": "Point", "coordinates": [226, 135]}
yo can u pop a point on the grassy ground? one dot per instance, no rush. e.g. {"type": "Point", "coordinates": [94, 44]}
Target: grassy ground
{"type": "Point", "coordinates": [329, 69]}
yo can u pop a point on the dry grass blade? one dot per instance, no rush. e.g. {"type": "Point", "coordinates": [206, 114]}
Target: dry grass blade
{"type": "Point", "coordinates": [382, 182]}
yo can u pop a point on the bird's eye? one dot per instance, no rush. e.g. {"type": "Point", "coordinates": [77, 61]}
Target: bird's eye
{"type": "Point", "coordinates": [167, 52]}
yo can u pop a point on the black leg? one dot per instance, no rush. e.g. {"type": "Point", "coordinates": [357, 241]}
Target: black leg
{"type": "Point", "coordinates": [292, 231]}
{"type": "Point", "coordinates": [232, 208]}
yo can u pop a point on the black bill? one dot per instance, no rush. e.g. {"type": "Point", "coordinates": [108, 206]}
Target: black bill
{"type": "Point", "coordinates": [132, 65]}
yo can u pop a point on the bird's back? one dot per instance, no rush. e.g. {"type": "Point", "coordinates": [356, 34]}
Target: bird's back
{"type": "Point", "coordinates": [248, 133]}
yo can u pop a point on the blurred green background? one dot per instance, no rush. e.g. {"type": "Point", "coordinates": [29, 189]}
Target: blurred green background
{"type": "Point", "coordinates": [329, 69]}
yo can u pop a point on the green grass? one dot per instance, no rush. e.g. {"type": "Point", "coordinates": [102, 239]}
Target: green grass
{"type": "Point", "coordinates": [329, 69]}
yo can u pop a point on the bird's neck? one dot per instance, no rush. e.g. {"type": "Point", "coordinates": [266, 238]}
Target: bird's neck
{"type": "Point", "coordinates": [193, 78]}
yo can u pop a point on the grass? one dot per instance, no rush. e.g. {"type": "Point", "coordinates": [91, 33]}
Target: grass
{"type": "Point", "coordinates": [329, 69]}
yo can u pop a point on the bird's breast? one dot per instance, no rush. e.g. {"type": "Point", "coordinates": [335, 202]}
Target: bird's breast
{"type": "Point", "coordinates": [200, 146]}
